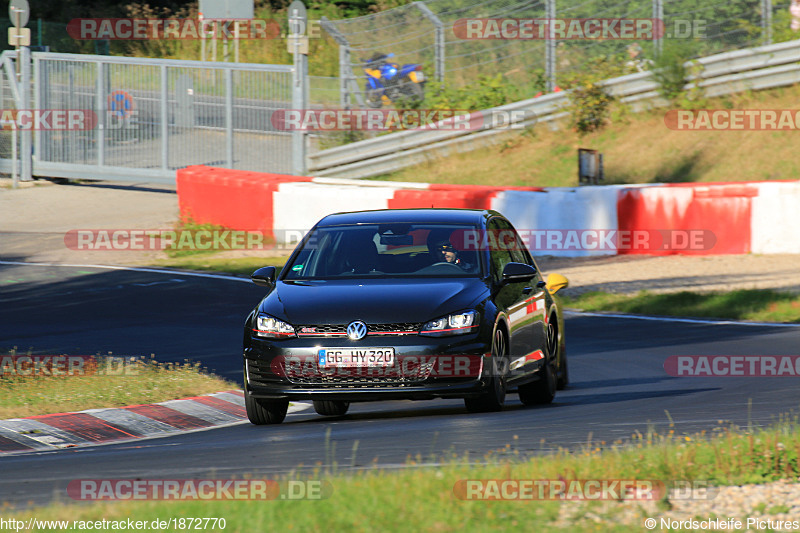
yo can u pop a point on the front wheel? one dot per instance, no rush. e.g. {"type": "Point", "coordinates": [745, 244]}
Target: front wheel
{"type": "Point", "coordinates": [494, 397]}
{"type": "Point", "coordinates": [261, 412]}
{"type": "Point", "coordinates": [374, 98]}
{"type": "Point", "coordinates": [331, 407]}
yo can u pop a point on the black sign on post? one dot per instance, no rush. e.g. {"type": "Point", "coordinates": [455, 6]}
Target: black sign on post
{"type": "Point", "coordinates": [590, 167]}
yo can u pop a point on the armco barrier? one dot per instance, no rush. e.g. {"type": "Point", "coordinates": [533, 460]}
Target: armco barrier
{"type": "Point", "coordinates": [741, 217]}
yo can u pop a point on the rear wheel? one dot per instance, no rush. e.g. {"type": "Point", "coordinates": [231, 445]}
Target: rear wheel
{"type": "Point", "coordinates": [494, 397]}
{"type": "Point", "coordinates": [331, 407]}
{"type": "Point", "coordinates": [541, 391]}
{"type": "Point", "coordinates": [261, 412]}
{"type": "Point", "coordinates": [544, 389]}
{"type": "Point", "coordinates": [560, 358]}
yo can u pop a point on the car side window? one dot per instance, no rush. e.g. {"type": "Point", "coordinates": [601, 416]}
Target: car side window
{"type": "Point", "coordinates": [498, 251]}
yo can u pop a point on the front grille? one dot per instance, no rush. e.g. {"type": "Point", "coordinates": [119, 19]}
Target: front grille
{"type": "Point", "coordinates": [396, 328]}
{"type": "Point", "coordinates": [324, 330]}
{"type": "Point", "coordinates": [397, 375]}
{"type": "Point", "coordinates": [338, 330]}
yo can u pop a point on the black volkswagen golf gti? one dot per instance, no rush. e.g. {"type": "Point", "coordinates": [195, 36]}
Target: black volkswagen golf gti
{"type": "Point", "coordinates": [404, 304]}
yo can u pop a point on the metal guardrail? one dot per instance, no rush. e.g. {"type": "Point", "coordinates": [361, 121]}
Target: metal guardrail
{"type": "Point", "coordinates": [764, 67]}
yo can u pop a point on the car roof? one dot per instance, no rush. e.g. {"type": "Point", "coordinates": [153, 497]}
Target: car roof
{"type": "Point", "coordinates": [413, 216]}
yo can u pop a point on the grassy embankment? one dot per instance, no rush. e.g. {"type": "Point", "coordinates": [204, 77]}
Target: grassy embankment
{"type": "Point", "coordinates": [423, 499]}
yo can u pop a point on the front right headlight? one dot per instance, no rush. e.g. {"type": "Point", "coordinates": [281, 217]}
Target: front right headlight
{"type": "Point", "coordinates": [455, 324]}
{"type": "Point", "coordinates": [270, 327]}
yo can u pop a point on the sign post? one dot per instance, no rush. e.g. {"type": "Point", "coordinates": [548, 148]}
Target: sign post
{"type": "Point", "coordinates": [20, 38]}
{"type": "Point", "coordinates": [298, 47]}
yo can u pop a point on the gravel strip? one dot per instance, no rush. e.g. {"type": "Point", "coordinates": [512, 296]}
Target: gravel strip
{"type": "Point", "coordinates": [778, 501]}
{"type": "Point", "coordinates": [673, 273]}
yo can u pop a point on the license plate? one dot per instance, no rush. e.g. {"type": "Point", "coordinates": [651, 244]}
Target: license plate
{"type": "Point", "coordinates": [420, 76]}
{"type": "Point", "coordinates": [355, 357]}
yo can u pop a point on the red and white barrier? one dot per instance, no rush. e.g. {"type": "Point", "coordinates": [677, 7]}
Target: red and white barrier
{"type": "Point", "coordinates": [740, 217]}
{"type": "Point", "coordinates": [775, 227]}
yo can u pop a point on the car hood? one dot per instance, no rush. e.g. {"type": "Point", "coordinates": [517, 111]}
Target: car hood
{"type": "Point", "coordinates": [373, 301]}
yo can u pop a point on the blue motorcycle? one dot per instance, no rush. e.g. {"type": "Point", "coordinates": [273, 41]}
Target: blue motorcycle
{"type": "Point", "coordinates": [388, 82]}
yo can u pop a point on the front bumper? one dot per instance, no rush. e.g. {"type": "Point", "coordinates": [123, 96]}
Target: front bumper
{"type": "Point", "coordinates": [425, 368]}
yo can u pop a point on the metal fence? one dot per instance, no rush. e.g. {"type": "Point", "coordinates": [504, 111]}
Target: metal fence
{"type": "Point", "coordinates": [721, 74]}
{"type": "Point", "coordinates": [423, 32]}
{"type": "Point", "coordinates": [155, 116]}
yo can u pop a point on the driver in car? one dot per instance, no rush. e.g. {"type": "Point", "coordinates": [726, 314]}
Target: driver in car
{"type": "Point", "coordinates": [449, 254]}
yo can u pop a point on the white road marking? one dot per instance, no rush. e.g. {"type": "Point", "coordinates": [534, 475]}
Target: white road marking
{"type": "Point", "coordinates": [573, 313]}
{"type": "Point", "coordinates": [132, 269]}
{"type": "Point", "coordinates": [685, 320]}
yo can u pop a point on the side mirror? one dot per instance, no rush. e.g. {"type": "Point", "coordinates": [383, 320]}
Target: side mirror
{"type": "Point", "coordinates": [264, 276]}
{"type": "Point", "coordinates": [556, 282]}
{"type": "Point", "coordinates": [513, 272]}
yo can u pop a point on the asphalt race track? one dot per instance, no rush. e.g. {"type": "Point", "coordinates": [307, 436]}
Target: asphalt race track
{"type": "Point", "coordinates": [618, 387]}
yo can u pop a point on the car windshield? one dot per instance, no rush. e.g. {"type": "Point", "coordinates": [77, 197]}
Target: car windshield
{"type": "Point", "coordinates": [387, 250]}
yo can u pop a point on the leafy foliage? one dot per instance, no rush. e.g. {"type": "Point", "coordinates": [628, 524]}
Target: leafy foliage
{"type": "Point", "coordinates": [590, 103]}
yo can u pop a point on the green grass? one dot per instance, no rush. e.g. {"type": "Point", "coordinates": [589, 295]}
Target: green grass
{"type": "Point", "coordinates": [637, 148]}
{"type": "Point", "coordinates": [422, 498]}
{"type": "Point", "coordinates": [146, 381]}
{"type": "Point", "coordinates": [746, 304]}
{"type": "Point", "coordinates": [222, 263]}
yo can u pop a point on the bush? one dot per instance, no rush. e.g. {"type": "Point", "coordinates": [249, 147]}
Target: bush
{"type": "Point", "coordinates": [590, 104]}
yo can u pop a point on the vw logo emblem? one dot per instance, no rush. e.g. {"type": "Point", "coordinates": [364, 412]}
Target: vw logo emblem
{"type": "Point", "coordinates": [356, 330]}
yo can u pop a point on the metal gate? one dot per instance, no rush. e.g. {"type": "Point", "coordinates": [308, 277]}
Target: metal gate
{"type": "Point", "coordinates": [153, 116]}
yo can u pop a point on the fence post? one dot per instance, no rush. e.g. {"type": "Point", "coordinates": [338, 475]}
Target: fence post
{"type": "Point", "coordinates": [298, 47]}
{"type": "Point", "coordinates": [550, 46]}
{"type": "Point", "coordinates": [229, 117]}
{"type": "Point", "coordinates": [164, 119]}
{"type": "Point", "coordinates": [345, 67]}
{"type": "Point", "coordinates": [100, 106]}
{"type": "Point", "coordinates": [438, 40]}
{"type": "Point", "coordinates": [659, 27]}
{"type": "Point", "coordinates": [26, 146]}
{"type": "Point", "coordinates": [766, 21]}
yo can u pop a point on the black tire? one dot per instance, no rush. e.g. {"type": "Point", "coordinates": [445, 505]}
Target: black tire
{"type": "Point", "coordinates": [542, 391]}
{"type": "Point", "coordinates": [261, 412]}
{"type": "Point", "coordinates": [494, 397]}
{"type": "Point", "coordinates": [563, 374]}
{"type": "Point", "coordinates": [559, 357]}
{"type": "Point", "coordinates": [331, 407]}
{"type": "Point", "coordinates": [374, 98]}
{"type": "Point", "coordinates": [412, 92]}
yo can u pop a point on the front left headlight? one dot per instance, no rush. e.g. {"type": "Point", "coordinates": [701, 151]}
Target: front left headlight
{"type": "Point", "coordinates": [270, 327]}
{"type": "Point", "coordinates": [455, 324]}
